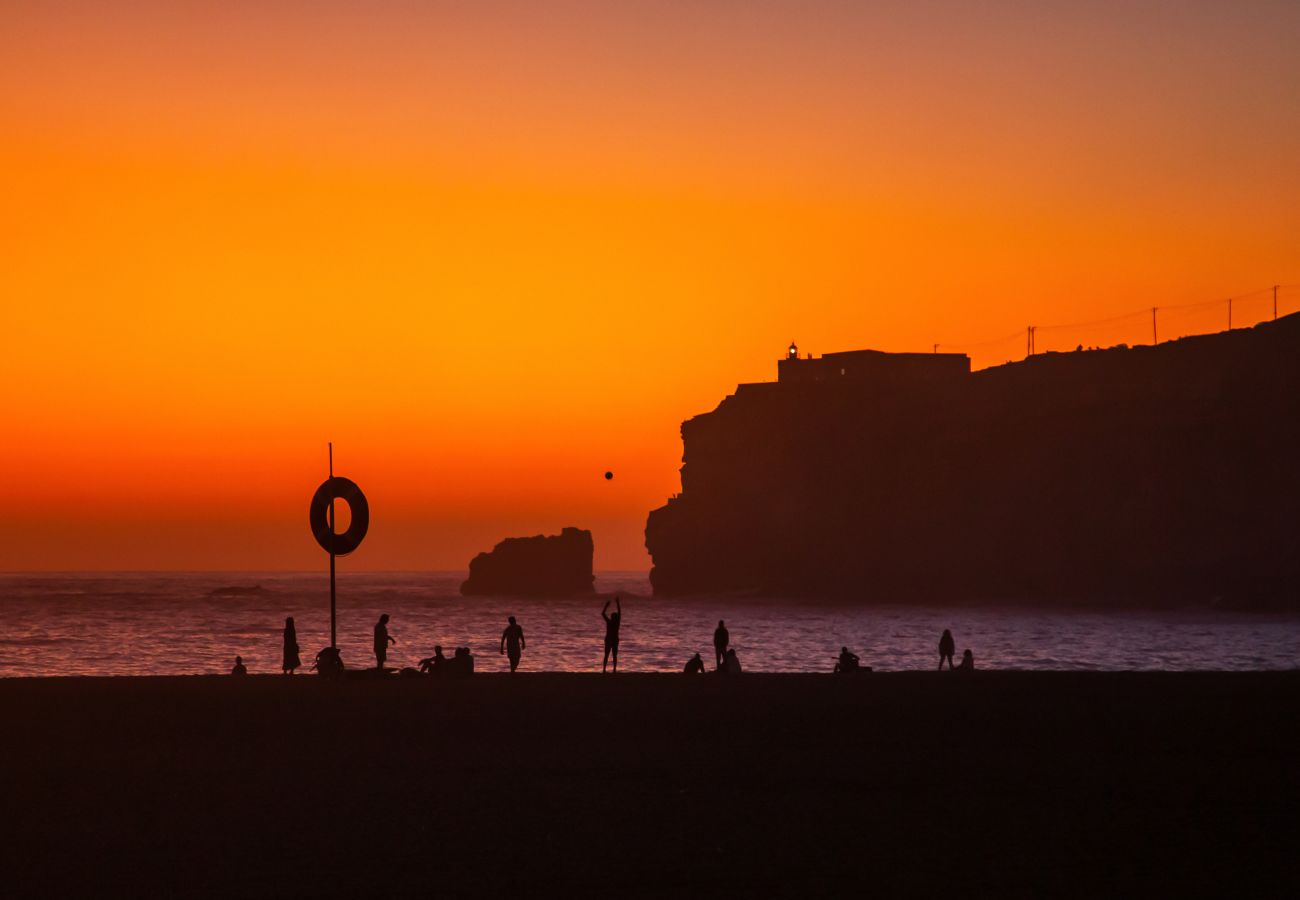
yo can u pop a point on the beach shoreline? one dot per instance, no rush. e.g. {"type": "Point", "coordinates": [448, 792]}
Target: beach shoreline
{"type": "Point", "coordinates": [1019, 783]}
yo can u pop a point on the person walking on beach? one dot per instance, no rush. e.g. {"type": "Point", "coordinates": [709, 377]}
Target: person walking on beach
{"type": "Point", "coordinates": [382, 640]}
{"type": "Point", "coordinates": [721, 641]}
{"type": "Point", "coordinates": [947, 646]}
{"type": "Point", "coordinates": [513, 643]}
{"type": "Point", "coordinates": [611, 632]}
{"type": "Point", "coordinates": [291, 659]}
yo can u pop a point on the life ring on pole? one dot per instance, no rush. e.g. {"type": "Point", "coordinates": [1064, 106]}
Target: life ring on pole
{"type": "Point", "coordinates": [345, 489]}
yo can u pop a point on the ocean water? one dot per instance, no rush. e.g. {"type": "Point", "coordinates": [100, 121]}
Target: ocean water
{"type": "Point", "coordinates": [191, 623]}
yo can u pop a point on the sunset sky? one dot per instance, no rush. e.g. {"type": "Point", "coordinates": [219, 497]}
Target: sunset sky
{"type": "Point", "coordinates": [492, 250]}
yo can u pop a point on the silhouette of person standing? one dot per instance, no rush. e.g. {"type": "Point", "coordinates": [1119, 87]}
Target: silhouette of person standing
{"type": "Point", "coordinates": [240, 668]}
{"type": "Point", "coordinates": [513, 643]}
{"type": "Point", "coordinates": [721, 641]}
{"type": "Point", "coordinates": [382, 640]}
{"type": "Point", "coordinates": [611, 632]}
{"type": "Point", "coordinates": [291, 660]}
{"type": "Point", "coordinates": [946, 649]}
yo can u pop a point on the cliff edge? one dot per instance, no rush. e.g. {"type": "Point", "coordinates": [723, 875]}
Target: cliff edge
{"type": "Point", "coordinates": [1161, 475]}
{"type": "Point", "coordinates": [541, 566]}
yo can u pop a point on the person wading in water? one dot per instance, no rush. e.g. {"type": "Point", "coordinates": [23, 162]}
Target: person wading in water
{"type": "Point", "coordinates": [611, 632]}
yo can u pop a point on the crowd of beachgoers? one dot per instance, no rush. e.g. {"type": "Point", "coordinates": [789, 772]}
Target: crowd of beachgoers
{"type": "Point", "coordinates": [513, 644]}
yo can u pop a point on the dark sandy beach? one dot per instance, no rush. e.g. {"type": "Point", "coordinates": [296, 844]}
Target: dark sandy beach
{"type": "Point", "coordinates": [654, 785]}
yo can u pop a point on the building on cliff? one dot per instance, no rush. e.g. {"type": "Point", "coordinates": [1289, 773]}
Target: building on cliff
{"type": "Point", "coordinates": [1160, 475]}
{"type": "Point", "coordinates": [872, 368]}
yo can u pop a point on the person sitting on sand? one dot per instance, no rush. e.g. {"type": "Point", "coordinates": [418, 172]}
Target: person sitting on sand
{"type": "Point", "coordinates": [731, 665]}
{"type": "Point", "coordinates": [847, 663]}
{"type": "Point", "coordinates": [967, 661]}
{"type": "Point", "coordinates": [512, 643]}
{"type": "Point", "coordinates": [328, 662]}
{"type": "Point", "coordinates": [382, 640]}
{"type": "Point", "coordinates": [436, 664]}
{"type": "Point", "coordinates": [946, 649]}
{"type": "Point", "coordinates": [461, 662]}
{"type": "Point", "coordinates": [240, 668]}
{"type": "Point", "coordinates": [611, 633]}
{"type": "Point", "coordinates": [721, 641]}
{"type": "Point", "coordinates": [291, 659]}
{"type": "Point", "coordinates": [694, 665]}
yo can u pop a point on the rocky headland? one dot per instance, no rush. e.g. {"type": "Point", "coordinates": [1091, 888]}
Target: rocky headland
{"type": "Point", "coordinates": [1161, 475]}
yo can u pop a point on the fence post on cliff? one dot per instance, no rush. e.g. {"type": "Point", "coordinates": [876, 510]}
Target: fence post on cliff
{"type": "Point", "coordinates": [1275, 303]}
{"type": "Point", "coordinates": [1229, 313]}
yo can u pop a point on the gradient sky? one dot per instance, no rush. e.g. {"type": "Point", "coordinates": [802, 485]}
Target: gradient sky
{"type": "Point", "coordinates": [494, 249]}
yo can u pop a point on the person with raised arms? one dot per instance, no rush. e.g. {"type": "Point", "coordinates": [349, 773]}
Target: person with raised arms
{"type": "Point", "coordinates": [612, 622]}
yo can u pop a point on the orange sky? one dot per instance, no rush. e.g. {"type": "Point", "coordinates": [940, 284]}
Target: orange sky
{"type": "Point", "coordinates": [492, 250]}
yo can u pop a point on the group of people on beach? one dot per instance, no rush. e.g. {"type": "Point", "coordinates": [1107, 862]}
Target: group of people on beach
{"type": "Point", "coordinates": [513, 644]}
{"type": "Point", "coordinates": [847, 663]}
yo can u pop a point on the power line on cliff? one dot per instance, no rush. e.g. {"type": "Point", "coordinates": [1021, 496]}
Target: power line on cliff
{"type": "Point", "coordinates": [1232, 304]}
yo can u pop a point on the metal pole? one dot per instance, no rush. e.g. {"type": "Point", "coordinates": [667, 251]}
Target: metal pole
{"type": "Point", "coordinates": [1154, 339]}
{"type": "Point", "coordinates": [1275, 303]}
{"type": "Point", "coordinates": [1229, 313]}
{"type": "Point", "coordinates": [1029, 341]}
{"type": "Point", "coordinates": [334, 641]}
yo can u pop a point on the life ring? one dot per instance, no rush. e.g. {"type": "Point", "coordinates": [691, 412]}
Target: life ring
{"type": "Point", "coordinates": [340, 489]}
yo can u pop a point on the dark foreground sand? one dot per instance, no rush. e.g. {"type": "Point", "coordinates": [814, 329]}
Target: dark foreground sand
{"type": "Point", "coordinates": [1041, 784]}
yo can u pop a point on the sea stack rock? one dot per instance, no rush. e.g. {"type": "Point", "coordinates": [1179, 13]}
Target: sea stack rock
{"type": "Point", "coordinates": [539, 566]}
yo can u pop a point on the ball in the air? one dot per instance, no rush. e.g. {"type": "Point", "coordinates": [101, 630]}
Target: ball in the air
{"type": "Point", "coordinates": [609, 476]}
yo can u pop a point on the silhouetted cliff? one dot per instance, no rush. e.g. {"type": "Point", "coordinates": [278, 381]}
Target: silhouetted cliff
{"type": "Point", "coordinates": [544, 565]}
{"type": "Point", "coordinates": [1160, 475]}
